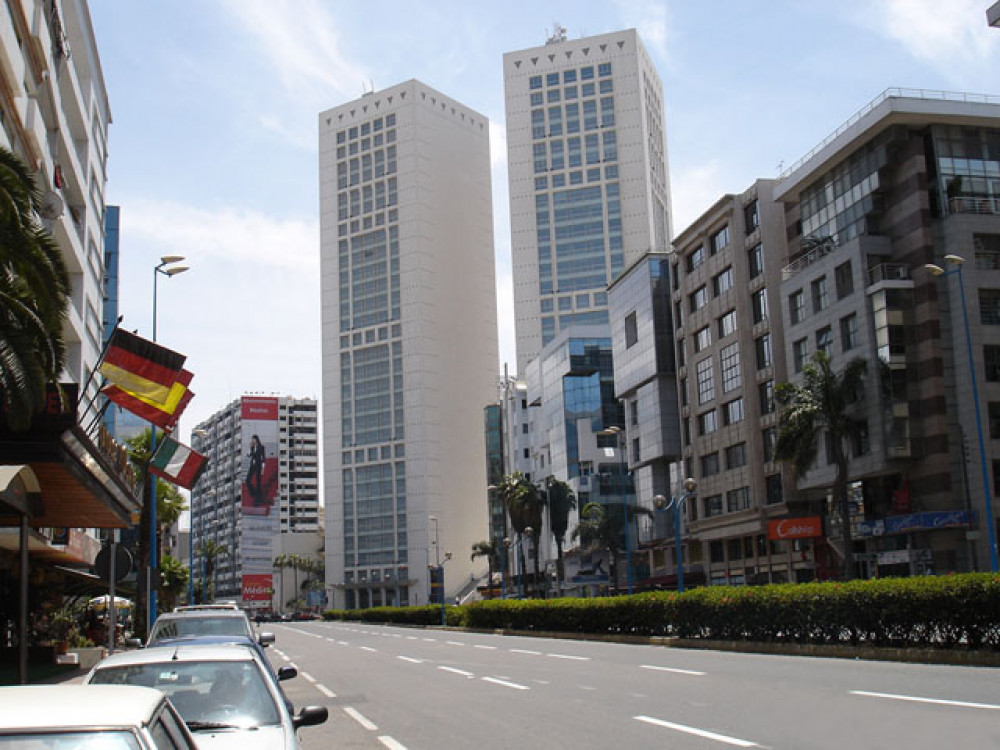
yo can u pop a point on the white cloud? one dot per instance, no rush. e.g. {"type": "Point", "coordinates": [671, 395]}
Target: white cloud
{"type": "Point", "coordinates": [694, 190]}
{"type": "Point", "coordinates": [652, 20]}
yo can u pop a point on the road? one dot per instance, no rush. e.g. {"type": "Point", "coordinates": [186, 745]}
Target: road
{"type": "Point", "coordinates": [396, 688]}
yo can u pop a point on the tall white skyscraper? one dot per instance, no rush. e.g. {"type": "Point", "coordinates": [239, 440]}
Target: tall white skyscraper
{"type": "Point", "coordinates": [409, 341]}
{"type": "Point", "coordinates": [589, 193]}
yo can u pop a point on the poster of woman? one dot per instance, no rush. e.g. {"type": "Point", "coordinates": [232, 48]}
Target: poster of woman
{"type": "Point", "coordinates": [260, 455]}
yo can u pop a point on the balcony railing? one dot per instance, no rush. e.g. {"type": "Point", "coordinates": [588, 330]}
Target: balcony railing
{"type": "Point", "coordinates": [888, 272]}
{"type": "Point", "coordinates": [800, 264]}
{"type": "Point", "coordinates": [973, 205]}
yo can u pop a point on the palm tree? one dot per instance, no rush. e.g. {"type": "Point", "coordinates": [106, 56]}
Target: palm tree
{"type": "Point", "coordinates": [524, 507]}
{"type": "Point", "coordinates": [34, 296]}
{"type": "Point", "coordinates": [600, 528]}
{"type": "Point", "coordinates": [561, 501]}
{"type": "Point", "coordinates": [173, 580]}
{"type": "Point", "coordinates": [489, 550]}
{"type": "Point", "coordinates": [821, 404]}
{"type": "Point", "coordinates": [212, 550]}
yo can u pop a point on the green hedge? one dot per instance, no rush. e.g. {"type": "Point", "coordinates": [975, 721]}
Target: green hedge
{"type": "Point", "coordinates": [941, 611]}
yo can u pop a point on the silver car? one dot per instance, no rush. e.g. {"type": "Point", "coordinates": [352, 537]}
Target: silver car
{"type": "Point", "coordinates": [104, 717]}
{"type": "Point", "coordinates": [221, 691]}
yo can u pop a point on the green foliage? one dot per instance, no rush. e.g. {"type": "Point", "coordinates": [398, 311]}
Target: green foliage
{"type": "Point", "coordinates": [956, 611]}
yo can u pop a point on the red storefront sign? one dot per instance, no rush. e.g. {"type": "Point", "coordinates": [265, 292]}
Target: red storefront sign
{"type": "Point", "coordinates": [257, 587]}
{"type": "Point", "coordinates": [795, 528]}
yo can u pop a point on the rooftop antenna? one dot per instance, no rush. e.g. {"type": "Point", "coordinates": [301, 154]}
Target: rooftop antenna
{"type": "Point", "coordinates": [558, 34]}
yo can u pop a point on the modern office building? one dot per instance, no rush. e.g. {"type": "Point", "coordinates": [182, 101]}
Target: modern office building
{"type": "Point", "coordinates": [589, 193]}
{"type": "Point", "coordinates": [410, 345]}
{"type": "Point", "coordinates": [259, 497]}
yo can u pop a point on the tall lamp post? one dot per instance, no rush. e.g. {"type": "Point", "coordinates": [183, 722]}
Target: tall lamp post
{"type": "Point", "coordinates": [936, 270]}
{"type": "Point", "coordinates": [503, 567]}
{"type": "Point", "coordinates": [619, 434]}
{"type": "Point", "coordinates": [166, 268]}
{"type": "Point", "coordinates": [677, 503]}
{"type": "Point", "coordinates": [438, 569]}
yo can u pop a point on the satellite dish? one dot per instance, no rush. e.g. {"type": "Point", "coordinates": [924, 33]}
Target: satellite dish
{"type": "Point", "coordinates": [51, 206]}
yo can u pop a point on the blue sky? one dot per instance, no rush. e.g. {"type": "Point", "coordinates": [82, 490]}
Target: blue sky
{"type": "Point", "coordinates": [213, 145]}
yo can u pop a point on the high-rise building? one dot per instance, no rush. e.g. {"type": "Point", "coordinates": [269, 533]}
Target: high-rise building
{"type": "Point", "coordinates": [589, 193]}
{"type": "Point", "coordinates": [410, 354]}
{"type": "Point", "coordinates": [258, 498]}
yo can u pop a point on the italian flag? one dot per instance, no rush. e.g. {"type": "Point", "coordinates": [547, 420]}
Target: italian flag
{"type": "Point", "coordinates": [177, 463]}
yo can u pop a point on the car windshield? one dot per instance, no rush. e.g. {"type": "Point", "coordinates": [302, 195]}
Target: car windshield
{"type": "Point", "coordinates": [79, 740]}
{"type": "Point", "coordinates": [209, 625]}
{"type": "Point", "coordinates": [229, 693]}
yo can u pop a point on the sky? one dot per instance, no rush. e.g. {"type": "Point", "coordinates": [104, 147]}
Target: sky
{"type": "Point", "coordinates": [213, 142]}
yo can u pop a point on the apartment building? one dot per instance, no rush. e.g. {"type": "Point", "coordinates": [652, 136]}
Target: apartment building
{"type": "Point", "coordinates": [410, 352]}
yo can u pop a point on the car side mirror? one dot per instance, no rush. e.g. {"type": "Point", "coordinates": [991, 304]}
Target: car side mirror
{"type": "Point", "coordinates": [264, 639]}
{"type": "Point", "coordinates": [133, 642]}
{"type": "Point", "coordinates": [287, 673]}
{"type": "Point", "coordinates": [310, 716]}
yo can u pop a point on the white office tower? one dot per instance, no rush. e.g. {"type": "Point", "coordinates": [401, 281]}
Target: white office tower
{"type": "Point", "coordinates": [409, 342]}
{"type": "Point", "coordinates": [589, 194]}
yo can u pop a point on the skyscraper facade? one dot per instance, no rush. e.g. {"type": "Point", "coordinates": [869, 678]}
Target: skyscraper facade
{"type": "Point", "coordinates": [589, 192]}
{"type": "Point", "coordinates": [409, 341]}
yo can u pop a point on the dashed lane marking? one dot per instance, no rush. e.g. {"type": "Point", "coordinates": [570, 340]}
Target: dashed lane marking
{"type": "Point", "coordinates": [457, 671]}
{"type": "Point", "coordinates": [360, 718]}
{"type": "Point", "coordinates": [937, 701]}
{"type": "Point", "coordinates": [505, 683]}
{"type": "Point", "coordinates": [671, 669]}
{"type": "Point", "coordinates": [697, 732]}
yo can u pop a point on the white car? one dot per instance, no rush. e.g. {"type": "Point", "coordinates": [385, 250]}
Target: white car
{"type": "Point", "coordinates": [103, 717]}
{"type": "Point", "coordinates": [222, 692]}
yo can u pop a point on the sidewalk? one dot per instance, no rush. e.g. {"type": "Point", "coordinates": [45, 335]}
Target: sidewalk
{"type": "Point", "coordinates": [43, 674]}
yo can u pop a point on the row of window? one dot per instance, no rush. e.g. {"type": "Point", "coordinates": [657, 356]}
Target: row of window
{"type": "Point", "coordinates": [843, 281]}
{"type": "Point", "coordinates": [556, 124]}
{"type": "Point", "coordinates": [552, 156]}
{"type": "Point", "coordinates": [571, 75]}
{"type": "Point", "coordinates": [718, 242]}
{"type": "Point", "coordinates": [570, 92]}
{"type": "Point", "coordinates": [365, 128]}
{"type": "Point", "coordinates": [824, 341]}
{"type": "Point", "coordinates": [376, 165]}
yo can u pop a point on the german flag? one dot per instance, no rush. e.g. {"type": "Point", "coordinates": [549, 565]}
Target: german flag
{"type": "Point", "coordinates": [163, 415]}
{"type": "Point", "coordinates": [141, 367]}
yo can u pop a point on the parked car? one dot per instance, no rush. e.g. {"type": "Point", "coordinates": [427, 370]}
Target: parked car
{"type": "Point", "coordinates": [192, 622]}
{"type": "Point", "coordinates": [202, 607]}
{"type": "Point", "coordinates": [221, 691]}
{"type": "Point", "coordinates": [109, 717]}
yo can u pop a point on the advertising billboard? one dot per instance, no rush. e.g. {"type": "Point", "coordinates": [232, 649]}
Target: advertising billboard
{"type": "Point", "coordinates": [257, 587]}
{"type": "Point", "coordinates": [261, 522]}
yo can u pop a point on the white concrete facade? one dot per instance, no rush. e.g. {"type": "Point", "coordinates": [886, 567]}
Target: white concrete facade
{"type": "Point", "coordinates": [410, 344]}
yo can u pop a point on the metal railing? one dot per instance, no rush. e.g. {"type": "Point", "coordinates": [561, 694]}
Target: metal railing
{"type": "Point", "coordinates": [888, 272]}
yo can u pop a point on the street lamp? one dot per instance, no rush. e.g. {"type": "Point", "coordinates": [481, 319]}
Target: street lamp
{"type": "Point", "coordinates": [530, 533]}
{"type": "Point", "coordinates": [936, 270]}
{"type": "Point", "coordinates": [619, 433]}
{"type": "Point", "coordinates": [166, 268]}
{"type": "Point", "coordinates": [503, 567]}
{"type": "Point", "coordinates": [677, 503]}
{"type": "Point", "coordinates": [439, 569]}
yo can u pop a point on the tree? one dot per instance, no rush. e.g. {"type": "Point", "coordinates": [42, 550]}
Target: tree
{"type": "Point", "coordinates": [35, 294]}
{"type": "Point", "coordinates": [822, 404]}
{"type": "Point", "coordinates": [524, 507]}
{"type": "Point", "coordinates": [211, 551]}
{"type": "Point", "coordinates": [600, 529]}
{"type": "Point", "coordinates": [174, 577]}
{"type": "Point", "coordinates": [561, 500]}
{"type": "Point", "coordinates": [281, 562]}
{"type": "Point", "coordinates": [490, 551]}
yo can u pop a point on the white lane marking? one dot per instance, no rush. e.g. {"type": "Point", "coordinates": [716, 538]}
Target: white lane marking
{"type": "Point", "coordinates": [326, 691]}
{"type": "Point", "coordinates": [390, 743]}
{"type": "Point", "coordinates": [523, 651]}
{"type": "Point", "coordinates": [332, 640]}
{"type": "Point", "coordinates": [411, 637]}
{"type": "Point", "coordinates": [309, 677]}
{"type": "Point", "coordinates": [343, 643]}
{"type": "Point", "coordinates": [457, 671]}
{"type": "Point", "coordinates": [568, 656]}
{"type": "Point", "coordinates": [356, 715]}
{"type": "Point", "coordinates": [671, 669]}
{"type": "Point", "coordinates": [698, 732]}
{"type": "Point", "coordinates": [488, 648]}
{"type": "Point", "coordinates": [938, 701]}
{"type": "Point", "coordinates": [514, 685]}
{"type": "Point", "coordinates": [454, 643]}
{"type": "Point", "coordinates": [411, 660]}
{"type": "Point", "coordinates": [431, 640]}
{"type": "Point", "coordinates": [369, 648]}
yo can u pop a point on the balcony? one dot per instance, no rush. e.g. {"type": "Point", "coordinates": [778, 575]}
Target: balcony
{"type": "Point", "coordinates": [888, 272]}
{"type": "Point", "coordinates": [973, 205]}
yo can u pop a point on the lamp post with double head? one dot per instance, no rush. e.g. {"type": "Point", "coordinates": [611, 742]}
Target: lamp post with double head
{"type": "Point", "coordinates": [677, 503]}
{"type": "Point", "coordinates": [166, 267]}
{"type": "Point", "coordinates": [956, 261]}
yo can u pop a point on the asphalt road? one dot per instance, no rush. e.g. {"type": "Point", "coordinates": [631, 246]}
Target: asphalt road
{"type": "Point", "coordinates": [396, 688]}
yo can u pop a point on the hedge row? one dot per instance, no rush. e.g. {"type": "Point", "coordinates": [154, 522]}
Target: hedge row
{"type": "Point", "coordinates": [941, 611]}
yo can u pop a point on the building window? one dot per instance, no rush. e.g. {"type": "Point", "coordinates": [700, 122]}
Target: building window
{"type": "Point", "coordinates": [706, 380]}
{"type": "Point", "coordinates": [800, 352]}
{"type": "Point", "coordinates": [723, 282]}
{"type": "Point", "coordinates": [820, 297]}
{"type": "Point", "coordinates": [763, 346]}
{"type": "Point", "coordinates": [769, 437]}
{"type": "Point", "coordinates": [681, 357]}
{"type": "Point", "coordinates": [683, 388]}
{"type": "Point", "coordinates": [727, 324]}
{"type": "Point", "coordinates": [796, 306]}
{"type": "Point", "coordinates": [699, 298]}
{"type": "Point", "coordinates": [758, 303]}
{"type": "Point", "coordinates": [994, 412]}
{"type": "Point", "coordinates": [751, 216]}
{"type": "Point", "coordinates": [736, 456]}
{"type": "Point", "coordinates": [755, 260]}
{"type": "Point", "coordinates": [703, 339]}
{"type": "Point", "coordinates": [634, 413]}
{"type": "Point", "coordinates": [991, 360]}
{"type": "Point", "coordinates": [720, 240]}
{"type": "Point", "coordinates": [737, 500]}
{"type": "Point", "coordinates": [862, 445]}
{"type": "Point", "coordinates": [713, 507]}
{"type": "Point", "coordinates": [773, 489]}
{"type": "Point", "coordinates": [729, 358]}
{"type": "Point", "coordinates": [849, 332]}
{"type": "Point", "coordinates": [844, 280]}
{"type": "Point", "coordinates": [707, 423]}
{"type": "Point", "coordinates": [765, 392]}
{"type": "Point", "coordinates": [824, 341]}
{"type": "Point", "coordinates": [696, 258]}
{"type": "Point", "coordinates": [631, 331]}
{"type": "Point", "coordinates": [710, 464]}
{"type": "Point", "coordinates": [733, 412]}
{"type": "Point", "coordinates": [989, 307]}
